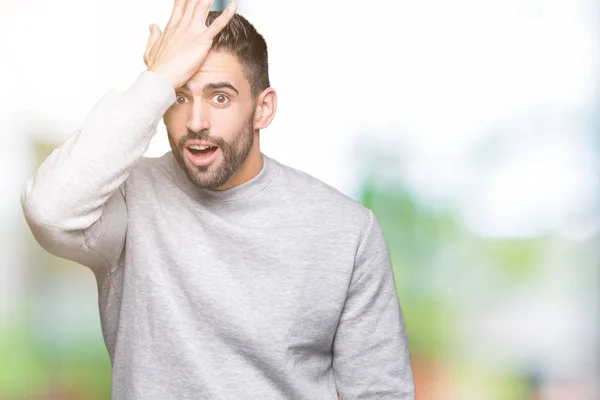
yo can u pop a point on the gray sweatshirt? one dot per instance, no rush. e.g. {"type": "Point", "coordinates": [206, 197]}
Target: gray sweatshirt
{"type": "Point", "coordinates": [280, 288]}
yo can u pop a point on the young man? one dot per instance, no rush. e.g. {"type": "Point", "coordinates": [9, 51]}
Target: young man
{"type": "Point", "coordinates": [222, 273]}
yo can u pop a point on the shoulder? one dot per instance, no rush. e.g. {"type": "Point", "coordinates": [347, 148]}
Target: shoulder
{"type": "Point", "coordinates": [321, 200]}
{"type": "Point", "coordinates": [150, 165]}
{"type": "Point", "coordinates": [153, 171]}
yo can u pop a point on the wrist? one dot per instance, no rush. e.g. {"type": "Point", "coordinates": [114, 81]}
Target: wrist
{"type": "Point", "coordinates": [164, 75]}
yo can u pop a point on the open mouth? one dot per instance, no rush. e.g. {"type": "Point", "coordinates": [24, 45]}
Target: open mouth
{"type": "Point", "coordinates": [202, 155]}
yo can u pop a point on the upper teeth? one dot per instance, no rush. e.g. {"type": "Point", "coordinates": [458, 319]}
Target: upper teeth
{"type": "Point", "coordinates": [199, 147]}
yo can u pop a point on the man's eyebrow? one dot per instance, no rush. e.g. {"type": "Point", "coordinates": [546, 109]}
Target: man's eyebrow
{"type": "Point", "coordinates": [219, 85]}
{"type": "Point", "coordinates": [213, 86]}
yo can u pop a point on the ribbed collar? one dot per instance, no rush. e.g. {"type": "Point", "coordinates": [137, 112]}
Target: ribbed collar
{"type": "Point", "coordinates": [239, 193]}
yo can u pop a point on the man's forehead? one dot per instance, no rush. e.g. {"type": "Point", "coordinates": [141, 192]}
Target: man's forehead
{"type": "Point", "coordinates": [219, 66]}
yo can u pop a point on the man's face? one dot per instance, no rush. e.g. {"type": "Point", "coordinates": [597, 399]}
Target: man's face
{"type": "Point", "coordinates": [210, 126]}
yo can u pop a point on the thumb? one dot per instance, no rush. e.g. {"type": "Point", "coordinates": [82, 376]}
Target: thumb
{"type": "Point", "coordinates": [155, 30]}
{"type": "Point", "coordinates": [155, 34]}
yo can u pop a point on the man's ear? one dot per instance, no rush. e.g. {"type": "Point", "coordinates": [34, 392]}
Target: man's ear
{"type": "Point", "coordinates": [266, 105]}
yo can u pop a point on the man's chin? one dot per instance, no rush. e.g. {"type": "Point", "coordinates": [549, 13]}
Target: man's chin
{"type": "Point", "coordinates": [203, 177]}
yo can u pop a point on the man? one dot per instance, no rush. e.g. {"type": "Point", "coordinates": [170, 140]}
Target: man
{"type": "Point", "coordinates": [222, 273]}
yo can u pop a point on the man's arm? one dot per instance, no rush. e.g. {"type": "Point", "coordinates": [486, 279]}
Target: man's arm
{"type": "Point", "coordinates": [371, 358]}
{"type": "Point", "coordinates": [74, 203]}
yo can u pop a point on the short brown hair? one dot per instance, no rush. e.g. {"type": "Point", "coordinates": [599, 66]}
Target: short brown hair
{"type": "Point", "coordinates": [240, 38]}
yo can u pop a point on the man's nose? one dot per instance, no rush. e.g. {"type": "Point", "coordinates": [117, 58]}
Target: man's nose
{"type": "Point", "coordinates": [198, 118]}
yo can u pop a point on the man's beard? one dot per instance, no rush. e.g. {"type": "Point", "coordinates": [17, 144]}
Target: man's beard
{"type": "Point", "coordinates": [233, 156]}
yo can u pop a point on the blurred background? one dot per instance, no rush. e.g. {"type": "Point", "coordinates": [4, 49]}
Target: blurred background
{"type": "Point", "coordinates": [470, 128]}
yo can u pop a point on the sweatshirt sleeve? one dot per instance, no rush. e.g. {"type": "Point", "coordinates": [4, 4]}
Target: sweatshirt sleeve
{"type": "Point", "coordinates": [74, 204]}
{"type": "Point", "coordinates": [371, 358]}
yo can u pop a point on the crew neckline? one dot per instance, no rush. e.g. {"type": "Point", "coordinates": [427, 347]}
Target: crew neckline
{"type": "Point", "coordinates": [238, 193]}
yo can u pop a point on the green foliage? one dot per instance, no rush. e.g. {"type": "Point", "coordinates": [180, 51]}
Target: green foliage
{"type": "Point", "coordinates": [30, 367]}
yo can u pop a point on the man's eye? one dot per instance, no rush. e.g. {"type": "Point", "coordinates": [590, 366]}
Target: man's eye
{"type": "Point", "coordinates": [181, 99]}
{"type": "Point", "coordinates": [220, 99]}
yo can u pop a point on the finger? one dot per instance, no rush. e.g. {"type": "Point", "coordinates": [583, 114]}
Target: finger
{"type": "Point", "coordinates": [155, 34]}
{"type": "Point", "coordinates": [204, 10]}
{"type": "Point", "coordinates": [222, 20]}
{"type": "Point", "coordinates": [177, 13]}
{"type": "Point", "coordinates": [191, 8]}
{"type": "Point", "coordinates": [201, 15]}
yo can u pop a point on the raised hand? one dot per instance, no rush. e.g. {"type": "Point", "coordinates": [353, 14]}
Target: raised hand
{"type": "Point", "coordinates": [179, 51]}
